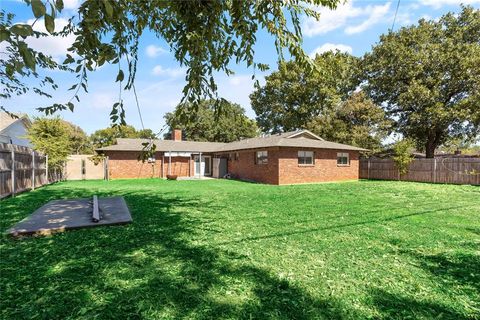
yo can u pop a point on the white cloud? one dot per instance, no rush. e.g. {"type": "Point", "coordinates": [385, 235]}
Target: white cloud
{"type": "Point", "coordinates": [153, 51]}
{"type": "Point", "coordinates": [342, 17]}
{"type": "Point", "coordinates": [50, 45]}
{"type": "Point", "coordinates": [103, 100]}
{"type": "Point", "coordinates": [436, 4]}
{"type": "Point", "coordinates": [158, 70]}
{"type": "Point", "coordinates": [71, 4]}
{"type": "Point", "coordinates": [239, 80]}
{"type": "Point", "coordinates": [330, 19]}
{"type": "Point", "coordinates": [376, 14]}
{"type": "Point", "coordinates": [238, 88]}
{"type": "Point", "coordinates": [331, 47]}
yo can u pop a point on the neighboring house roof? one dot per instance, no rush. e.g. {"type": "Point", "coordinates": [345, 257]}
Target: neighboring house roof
{"type": "Point", "coordinates": [14, 129]}
{"type": "Point", "coordinates": [389, 153]}
{"type": "Point", "coordinates": [7, 120]}
{"type": "Point", "coordinates": [300, 139]}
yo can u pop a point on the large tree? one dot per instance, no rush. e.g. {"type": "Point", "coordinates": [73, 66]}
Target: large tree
{"type": "Point", "coordinates": [108, 136]}
{"type": "Point", "coordinates": [79, 141]}
{"type": "Point", "coordinates": [224, 123]}
{"type": "Point", "coordinates": [356, 121]}
{"type": "Point", "coordinates": [428, 78]}
{"type": "Point", "coordinates": [293, 96]}
{"type": "Point", "coordinates": [51, 137]}
{"type": "Point", "coordinates": [205, 36]}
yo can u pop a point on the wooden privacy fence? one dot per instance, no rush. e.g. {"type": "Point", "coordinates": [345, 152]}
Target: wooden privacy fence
{"type": "Point", "coordinates": [22, 169]}
{"type": "Point", "coordinates": [438, 170]}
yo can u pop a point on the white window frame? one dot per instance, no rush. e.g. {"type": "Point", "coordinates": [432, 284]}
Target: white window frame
{"type": "Point", "coordinates": [341, 155]}
{"type": "Point", "coordinates": [261, 157]}
{"type": "Point", "coordinates": [305, 154]}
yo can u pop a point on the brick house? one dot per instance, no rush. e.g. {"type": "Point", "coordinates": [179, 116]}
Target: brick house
{"type": "Point", "coordinates": [287, 158]}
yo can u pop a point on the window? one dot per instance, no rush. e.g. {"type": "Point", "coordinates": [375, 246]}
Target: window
{"type": "Point", "coordinates": [305, 158]}
{"type": "Point", "coordinates": [261, 157]}
{"type": "Point", "coordinates": [343, 159]}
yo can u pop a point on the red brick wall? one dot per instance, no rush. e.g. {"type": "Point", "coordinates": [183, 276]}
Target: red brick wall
{"type": "Point", "coordinates": [283, 168]}
{"type": "Point", "coordinates": [324, 169]}
{"type": "Point", "coordinates": [124, 164]}
{"type": "Point", "coordinates": [181, 166]}
{"type": "Point", "coordinates": [245, 168]}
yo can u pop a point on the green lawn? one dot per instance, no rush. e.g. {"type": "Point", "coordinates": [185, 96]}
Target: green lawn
{"type": "Point", "coordinates": [227, 249]}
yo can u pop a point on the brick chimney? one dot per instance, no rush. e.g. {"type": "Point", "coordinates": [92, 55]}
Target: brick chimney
{"type": "Point", "coordinates": [177, 135]}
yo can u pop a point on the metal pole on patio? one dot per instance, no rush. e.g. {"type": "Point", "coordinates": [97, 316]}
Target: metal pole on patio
{"type": "Point", "coordinates": [200, 166]}
{"type": "Point", "coordinates": [169, 162]}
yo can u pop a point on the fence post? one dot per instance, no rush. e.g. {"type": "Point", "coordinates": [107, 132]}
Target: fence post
{"type": "Point", "coordinates": [368, 169]}
{"type": "Point", "coordinates": [105, 168]}
{"type": "Point", "coordinates": [434, 170]}
{"type": "Point", "coordinates": [33, 170]}
{"type": "Point", "coordinates": [13, 172]}
{"type": "Point", "coordinates": [46, 168]}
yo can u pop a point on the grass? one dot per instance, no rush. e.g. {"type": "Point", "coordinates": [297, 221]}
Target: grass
{"type": "Point", "coordinates": [227, 249]}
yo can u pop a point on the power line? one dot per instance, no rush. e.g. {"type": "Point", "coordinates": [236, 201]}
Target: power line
{"type": "Point", "coordinates": [395, 17]}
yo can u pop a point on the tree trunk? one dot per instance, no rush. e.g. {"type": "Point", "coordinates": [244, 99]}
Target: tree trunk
{"type": "Point", "coordinates": [430, 147]}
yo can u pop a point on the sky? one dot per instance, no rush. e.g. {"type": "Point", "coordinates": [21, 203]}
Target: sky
{"type": "Point", "coordinates": [354, 27]}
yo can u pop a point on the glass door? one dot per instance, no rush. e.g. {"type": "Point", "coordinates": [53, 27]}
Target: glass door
{"type": "Point", "coordinates": [204, 167]}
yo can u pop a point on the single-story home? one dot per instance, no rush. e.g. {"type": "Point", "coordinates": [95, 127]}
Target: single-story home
{"type": "Point", "coordinates": [286, 158]}
{"type": "Point", "coordinates": [14, 129]}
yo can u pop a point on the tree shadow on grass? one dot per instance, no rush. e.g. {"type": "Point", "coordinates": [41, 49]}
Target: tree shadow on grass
{"type": "Point", "coordinates": [341, 226]}
{"type": "Point", "coordinates": [455, 271]}
{"type": "Point", "coordinates": [152, 268]}
{"type": "Point", "coordinates": [459, 268]}
{"type": "Point", "coordinates": [396, 306]}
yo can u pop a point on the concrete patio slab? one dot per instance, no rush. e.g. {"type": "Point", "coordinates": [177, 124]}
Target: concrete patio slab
{"type": "Point", "coordinates": [61, 215]}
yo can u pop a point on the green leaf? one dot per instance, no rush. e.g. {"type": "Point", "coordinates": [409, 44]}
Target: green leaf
{"type": "Point", "coordinates": [9, 69]}
{"type": "Point", "coordinates": [22, 29]}
{"type": "Point", "coordinates": [49, 23]}
{"type": "Point", "coordinates": [27, 55]}
{"type": "Point", "coordinates": [38, 8]}
{"type": "Point", "coordinates": [59, 5]}
{"type": "Point", "coordinates": [120, 76]}
{"type": "Point", "coordinates": [108, 8]}
{"type": "Point", "coordinates": [4, 35]}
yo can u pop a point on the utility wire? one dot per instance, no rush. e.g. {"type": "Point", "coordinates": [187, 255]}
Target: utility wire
{"type": "Point", "coordinates": [395, 17]}
{"type": "Point", "coordinates": [136, 98]}
{"type": "Point", "coordinates": [138, 105]}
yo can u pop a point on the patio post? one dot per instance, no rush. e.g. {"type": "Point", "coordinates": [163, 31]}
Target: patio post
{"type": "Point", "coordinates": [200, 165]}
{"type": "Point", "coordinates": [170, 162]}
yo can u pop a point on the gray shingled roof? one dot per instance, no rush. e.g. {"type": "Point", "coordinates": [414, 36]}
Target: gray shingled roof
{"type": "Point", "coordinates": [164, 145]}
{"type": "Point", "coordinates": [288, 139]}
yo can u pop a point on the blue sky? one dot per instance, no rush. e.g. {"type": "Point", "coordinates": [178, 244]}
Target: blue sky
{"type": "Point", "coordinates": [354, 27]}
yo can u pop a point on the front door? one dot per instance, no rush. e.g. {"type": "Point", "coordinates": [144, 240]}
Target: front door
{"type": "Point", "coordinates": [204, 167]}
